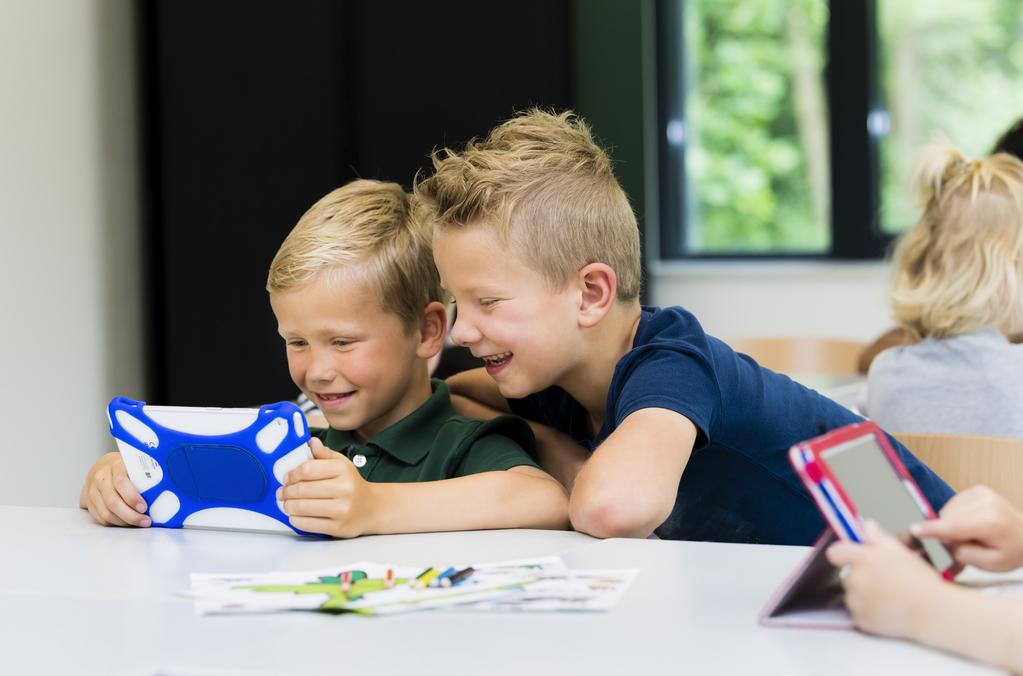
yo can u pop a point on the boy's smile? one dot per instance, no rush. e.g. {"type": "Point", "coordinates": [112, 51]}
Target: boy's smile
{"type": "Point", "coordinates": [325, 400]}
{"type": "Point", "coordinates": [355, 361]}
{"type": "Point", "coordinates": [495, 363]}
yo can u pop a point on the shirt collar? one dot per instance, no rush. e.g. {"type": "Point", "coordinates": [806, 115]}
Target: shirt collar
{"type": "Point", "coordinates": [409, 439]}
{"type": "Point", "coordinates": [984, 332]}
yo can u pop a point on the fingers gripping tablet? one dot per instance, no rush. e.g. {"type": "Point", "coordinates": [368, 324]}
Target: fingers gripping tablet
{"type": "Point", "coordinates": [853, 475]}
{"type": "Point", "coordinates": [211, 467]}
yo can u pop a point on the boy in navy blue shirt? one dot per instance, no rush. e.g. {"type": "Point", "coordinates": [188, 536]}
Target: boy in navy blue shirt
{"type": "Point", "coordinates": [654, 426]}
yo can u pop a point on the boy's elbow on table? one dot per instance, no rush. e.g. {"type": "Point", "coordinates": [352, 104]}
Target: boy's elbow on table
{"type": "Point", "coordinates": [616, 514]}
{"type": "Point", "coordinates": [557, 515]}
{"type": "Point", "coordinates": [548, 501]}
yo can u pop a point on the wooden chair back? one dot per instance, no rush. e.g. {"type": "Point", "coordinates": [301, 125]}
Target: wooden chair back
{"type": "Point", "coordinates": [965, 461]}
{"type": "Point", "coordinates": [803, 355]}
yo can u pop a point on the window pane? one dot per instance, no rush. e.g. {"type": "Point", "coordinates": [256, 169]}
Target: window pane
{"type": "Point", "coordinates": [756, 132]}
{"type": "Point", "coordinates": [947, 67]}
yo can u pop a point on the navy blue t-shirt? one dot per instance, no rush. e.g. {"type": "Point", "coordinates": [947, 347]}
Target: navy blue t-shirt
{"type": "Point", "coordinates": [738, 485]}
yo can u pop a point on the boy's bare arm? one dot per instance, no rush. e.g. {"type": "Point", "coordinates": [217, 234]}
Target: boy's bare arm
{"type": "Point", "coordinates": [477, 386]}
{"type": "Point", "coordinates": [558, 453]}
{"type": "Point", "coordinates": [628, 487]}
{"type": "Point", "coordinates": [328, 495]}
{"type": "Point", "coordinates": [521, 497]}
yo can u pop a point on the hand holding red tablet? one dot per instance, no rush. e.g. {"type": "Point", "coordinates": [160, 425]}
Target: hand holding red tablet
{"type": "Point", "coordinates": [853, 475]}
{"type": "Point", "coordinates": [885, 583]}
{"type": "Point", "coordinates": [982, 528]}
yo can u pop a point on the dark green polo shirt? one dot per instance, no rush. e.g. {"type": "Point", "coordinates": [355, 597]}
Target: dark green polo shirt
{"type": "Point", "coordinates": [433, 442]}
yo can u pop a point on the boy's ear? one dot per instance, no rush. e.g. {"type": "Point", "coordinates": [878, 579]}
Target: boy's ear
{"type": "Point", "coordinates": [432, 328]}
{"type": "Point", "coordinates": [598, 285]}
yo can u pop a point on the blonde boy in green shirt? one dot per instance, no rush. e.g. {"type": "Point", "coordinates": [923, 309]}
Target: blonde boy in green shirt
{"type": "Point", "coordinates": [358, 304]}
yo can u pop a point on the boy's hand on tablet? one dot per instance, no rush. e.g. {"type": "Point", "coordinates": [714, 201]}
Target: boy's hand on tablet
{"type": "Point", "coordinates": [327, 495]}
{"type": "Point", "coordinates": [887, 586]}
{"type": "Point", "coordinates": [109, 495]}
{"type": "Point", "coordinates": [982, 529]}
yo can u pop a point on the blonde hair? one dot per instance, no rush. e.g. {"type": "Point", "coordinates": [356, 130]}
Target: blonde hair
{"type": "Point", "coordinates": [960, 266]}
{"type": "Point", "coordinates": [549, 191]}
{"type": "Point", "coordinates": [372, 226]}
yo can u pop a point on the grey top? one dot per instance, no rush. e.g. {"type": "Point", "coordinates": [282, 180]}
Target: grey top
{"type": "Point", "coordinates": [968, 384]}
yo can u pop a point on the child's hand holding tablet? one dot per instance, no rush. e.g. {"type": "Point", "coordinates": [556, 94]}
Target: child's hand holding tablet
{"type": "Point", "coordinates": [983, 529]}
{"type": "Point", "coordinates": [862, 489]}
{"type": "Point", "coordinates": [328, 495]}
{"type": "Point", "coordinates": [109, 495]}
{"type": "Point", "coordinates": [885, 582]}
{"type": "Point", "coordinates": [854, 476]}
{"type": "Point", "coordinates": [890, 590]}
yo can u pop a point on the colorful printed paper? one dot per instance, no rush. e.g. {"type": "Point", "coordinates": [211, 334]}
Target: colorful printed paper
{"type": "Point", "coordinates": [544, 584]}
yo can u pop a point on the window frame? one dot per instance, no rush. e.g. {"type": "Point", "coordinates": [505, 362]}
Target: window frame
{"type": "Point", "coordinates": [853, 94]}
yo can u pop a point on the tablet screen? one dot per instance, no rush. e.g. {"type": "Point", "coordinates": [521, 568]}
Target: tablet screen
{"type": "Point", "coordinates": [878, 492]}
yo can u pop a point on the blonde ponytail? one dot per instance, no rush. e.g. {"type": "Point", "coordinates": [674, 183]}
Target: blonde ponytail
{"type": "Point", "coordinates": [938, 163]}
{"type": "Point", "coordinates": [961, 265]}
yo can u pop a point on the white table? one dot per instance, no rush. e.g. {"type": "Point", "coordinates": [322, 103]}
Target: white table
{"type": "Point", "coordinates": [79, 598]}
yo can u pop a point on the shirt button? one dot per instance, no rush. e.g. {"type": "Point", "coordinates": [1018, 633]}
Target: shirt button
{"type": "Point", "coordinates": [359, 460]}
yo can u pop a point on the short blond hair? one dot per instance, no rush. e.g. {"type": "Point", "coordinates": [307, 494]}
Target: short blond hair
{"type": "Point", "coordinates": [550, 192]}
{"type": "Point", "coordinates": [960, 266]}
{"type": "Point", "coordinates": [371, 226]}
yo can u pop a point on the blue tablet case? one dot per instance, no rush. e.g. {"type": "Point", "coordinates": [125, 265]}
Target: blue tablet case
{"type": "Point", "coordinates": [190, 478]}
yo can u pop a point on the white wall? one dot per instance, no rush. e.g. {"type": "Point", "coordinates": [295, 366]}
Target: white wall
{"type": "Point", "coordinates": [778, 298]}
{"type": "Point", "coordinates": [71, 334]}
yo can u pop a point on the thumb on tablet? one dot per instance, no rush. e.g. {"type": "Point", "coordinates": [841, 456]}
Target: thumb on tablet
{"type": "Point", "coordinates": [874, 534]}
{"type": "Point", "coordinates": [320, 451]}
{"type": "Point", "coordinates": [843, 553]}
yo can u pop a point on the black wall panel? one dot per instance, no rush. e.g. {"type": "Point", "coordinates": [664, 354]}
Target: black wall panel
{"type": "Point", "coordinates": [438, 73]}
{"type": "Point", "coordinates": [254, 109]}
